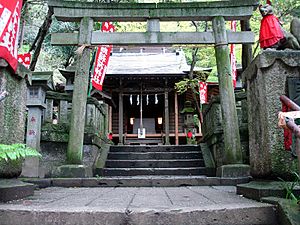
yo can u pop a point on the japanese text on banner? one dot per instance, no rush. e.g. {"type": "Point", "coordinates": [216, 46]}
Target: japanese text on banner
{"type": "Point", "coordinates": [102, 58]}
{"type": "Point", "coordinates": [9, 30]}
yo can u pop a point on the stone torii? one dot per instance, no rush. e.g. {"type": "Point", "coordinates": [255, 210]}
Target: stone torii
{"type": "Point", "coordinates": [216, 11]}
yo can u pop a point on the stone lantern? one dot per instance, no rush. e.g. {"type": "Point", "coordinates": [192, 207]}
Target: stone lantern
{"type": "Point", "coordinates": [36, 95]}
{"type": "Point", "coordinates": [189, 124]}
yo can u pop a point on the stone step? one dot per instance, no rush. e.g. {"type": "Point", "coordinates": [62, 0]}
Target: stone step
{"type": "Point", "coordinates": [137, 181]}
{"type": "Point", "coordinates": [154, 155]}
{"type": "Point", "coordinates": [137, 206]}
{"type": "Point", "coordinates": [155, 163]}
{"type": "Point", "coordinates": [164, 148]}
{"type": "Point", "coordinates": [153, 171]}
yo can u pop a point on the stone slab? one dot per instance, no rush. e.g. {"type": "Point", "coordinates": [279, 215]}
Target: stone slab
{"type": "Point", "coordinates": [138, 181]}
{"type": "Point", "coordinates": [13, 189]}
{"type": "Point", "coordinates": [73, 171]}
{"type": "Point", "coordinates": [160, 206]}
{"type": "Point", "coordinates": [233, 170]}
{"type": "Point", "coordinates": [259, 189]}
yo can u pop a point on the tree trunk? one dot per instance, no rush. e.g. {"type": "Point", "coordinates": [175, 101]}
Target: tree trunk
{"type": "Point", "coordinates": [37, 44]}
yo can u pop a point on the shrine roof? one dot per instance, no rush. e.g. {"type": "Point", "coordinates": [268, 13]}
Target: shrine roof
{"type": "Point", "coordinates": [147, 63]}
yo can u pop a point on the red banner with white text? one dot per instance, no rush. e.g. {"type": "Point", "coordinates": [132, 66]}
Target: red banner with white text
{"type": "Point", "coordinates": [232, 56]}
{"type": "Point", "coordinates": [102, 58]}
{"type": "Point", "coordinates": [9, 30]}
{"type": "Point", "coordinates": [203, 92]}
{"type": "Point", "coordinates": [24, 59]}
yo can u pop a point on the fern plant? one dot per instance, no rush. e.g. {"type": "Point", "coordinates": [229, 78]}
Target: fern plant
{"type": "Point", "coordinates": [17, 151]}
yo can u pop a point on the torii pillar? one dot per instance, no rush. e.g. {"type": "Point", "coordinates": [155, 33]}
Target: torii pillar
{"type": "Point", "coordinates": [76, 135]}
{"type": "Point", "coordinates": [232, 159]}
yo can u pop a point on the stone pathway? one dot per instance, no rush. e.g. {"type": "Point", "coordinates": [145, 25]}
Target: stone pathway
{"type": "Point", "coordinates": [164, 205]}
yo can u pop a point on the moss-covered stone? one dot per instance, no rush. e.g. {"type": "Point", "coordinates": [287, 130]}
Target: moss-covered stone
{"type": "Point", "coordinates": [12, 108]}
{"type": "Point", "coordinates": [10, 168]}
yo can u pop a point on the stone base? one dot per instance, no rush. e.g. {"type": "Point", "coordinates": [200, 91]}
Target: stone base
{"type": "Point", "coordinates": [73, 171]}
{"type": "Point", "coordinates": [31, 168]}
{"type": "Point", "coordinates": [12, 189]}
{"type": "Point", "coordinates": [233, 170]}
{"type": "Point", "coordinates": [260, 189]}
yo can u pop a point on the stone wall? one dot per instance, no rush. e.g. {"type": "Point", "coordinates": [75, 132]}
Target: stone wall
{"type": "Point", "coordinates": [266, 80]}
{"type": "Point", "coordinates": [213, 132]}
{"type": "Point", "coordinates": [12, 107]}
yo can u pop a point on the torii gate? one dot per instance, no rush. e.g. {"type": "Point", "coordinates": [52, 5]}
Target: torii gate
{"type": "Point", "coordinates": [216, 11]}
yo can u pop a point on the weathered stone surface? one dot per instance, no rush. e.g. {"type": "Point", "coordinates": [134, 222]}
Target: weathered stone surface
{"type": "Point", "coordinates": [231, 135]}
{"type": "Point", "coordinates": [10, 168]}
{"type": "Point", "coordinates": [266, 80]}
{"type": "Point", "coordinates": [137, 181]}
{"type": "Point", "coordinates": [233, 170]}
{"type": "Point", "coordinates": [12, 189]}
{"type": "Point", "coordinates": [213, 132]}
{"type": "Point", "coordinates": [188, 11]}
{"type": "Point", "coordinates": [259, 189]}
{"type": "Point", "coordinates": [160, 206]}
{"type": "Point", "coordinates": [73, 171]}
{"type": "Point", "coordinates": [12, 108]}
{"type": "Point", "coordinates": [54, 155]}
{"type": "Point", "coordinates": [288, 210]}
{"type": "Point", "coordinates": [79, 99]}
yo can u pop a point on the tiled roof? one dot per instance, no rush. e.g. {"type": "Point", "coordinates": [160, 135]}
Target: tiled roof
{"type": "Point", "coordinates": [147, 63]}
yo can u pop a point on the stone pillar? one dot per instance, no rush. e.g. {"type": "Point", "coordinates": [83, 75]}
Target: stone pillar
{"type": "Point", "coordinates": [90, 120]}
{"type": "Point", "coordinates": [31, 166]}
{"type": "Point", "coordinates": [232, 145]}
{"type": "Point", "coordinates": [246, 48]}
{"type": "Point", "coordinates": [270, 75]}
{"type": "Point", "coordinates": [77, 122]}
{"type": "Point", "coordinates": [49, 111]}
{"type": "Point", "coordinates": [12, 106]}
{"type": "Point", "coordinates": [121, 118]}
{"type": "Point", "coordinates": [63, 112]}
{"type": "Point", "coordinates": [167, 120]}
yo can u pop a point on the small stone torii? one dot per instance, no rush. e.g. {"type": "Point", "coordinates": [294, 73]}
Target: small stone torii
{"type": "Point", "coordinates": [216, 11]}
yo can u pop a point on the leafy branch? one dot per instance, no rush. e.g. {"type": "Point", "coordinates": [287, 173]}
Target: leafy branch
{"type": "Point", "coordinates": [17, 151]}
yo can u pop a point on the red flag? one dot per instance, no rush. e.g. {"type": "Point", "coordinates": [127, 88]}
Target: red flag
{"type": "Point", "coordinates": [9, 30]}
{"type": "Point", "coordinates": [102, 58]}
{"type": "Point", "coordinates": [232, 55]}
{"type": "Point", "coordinates": [24, 59]}
{"type": "Point", "coordinates": [203, 92]}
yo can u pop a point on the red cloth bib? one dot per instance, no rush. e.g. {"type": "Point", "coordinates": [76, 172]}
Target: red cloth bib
{"type": "Point", "coordinates": [270, 31]}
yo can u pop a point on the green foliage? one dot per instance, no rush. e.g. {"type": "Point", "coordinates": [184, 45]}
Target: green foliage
{"type": "Point", "coordinates": [193, 84]}
{"type": "Point", "coordinates": [182, 86]}
{"type": "Point", "coordinates": [290, 186]}
{"type": "Point", "coordinates": [17, 151]}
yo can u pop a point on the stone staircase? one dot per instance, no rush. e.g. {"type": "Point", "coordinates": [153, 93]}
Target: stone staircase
{"type": "Point", "coordinates": [155, 161]}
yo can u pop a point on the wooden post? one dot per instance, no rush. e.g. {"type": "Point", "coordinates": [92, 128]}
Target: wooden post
{"type": "Point", "coordinates": [121, 118]}
{"type": "Point", "coordinates": [246, 48]}
{"type": "Point", "coordinates": [232, 143]}
{"type": "Point", "coordinates": [75, 145]}
{"type": "Point", "coordinates": [167, 120]}
{"type": "Point", "coordinates": [110, 119]}
{"type": "Point", "coordinates": [176, 119]}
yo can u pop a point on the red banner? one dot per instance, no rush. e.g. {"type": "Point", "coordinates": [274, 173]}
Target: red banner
{"type": "Point", "coordinates": [9, 30]}
{"type": "Point", "coordinates": [203, 92]}
{"type": "Point", "coordinates": [24, 59]}
{"type": "Point", "coordinates": [102, 58]}
{"type": "Point", "coordinates": [232, 55]}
